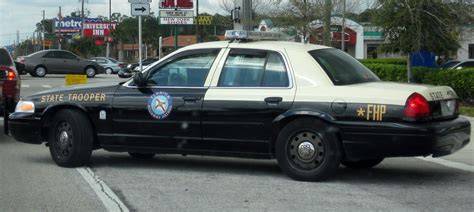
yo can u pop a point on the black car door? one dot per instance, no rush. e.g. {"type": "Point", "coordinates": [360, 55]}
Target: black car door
{"type": "Point", "coordinates": [166, 113]}
{"type": "Point", "coordinates": [253, 88]}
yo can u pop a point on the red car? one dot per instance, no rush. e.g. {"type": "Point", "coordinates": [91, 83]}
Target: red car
{"type": "Point", "coordinates": [10, 84]}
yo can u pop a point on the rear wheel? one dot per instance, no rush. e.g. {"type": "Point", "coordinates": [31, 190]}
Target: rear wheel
{"type": "Point", "coordinates": [90, 72]}
{"type": "Point", "coordinates": [109, 71]}
{"type": "Point", "coordinates": [39, 71]}
{"type": "Point", "coordinates": [308, 150]}
{"type": "Point", "coordinates": [141, 155]}
{"type": "Point", "coordinates": [70, 139]}
{"type": "Point", "coordinates": [362, 164]}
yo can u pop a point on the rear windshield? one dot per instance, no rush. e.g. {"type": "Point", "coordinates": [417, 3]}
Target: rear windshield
{"type": "Point", "coordinates": [5, 59]}
{"type": "Point", "coordinates": [342, 68]}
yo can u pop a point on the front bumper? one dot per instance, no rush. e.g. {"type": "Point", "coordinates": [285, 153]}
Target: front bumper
{"type": "Point", "coordinates": [364, 140]}
{"type": "Point", "coordinates": [25, 128]}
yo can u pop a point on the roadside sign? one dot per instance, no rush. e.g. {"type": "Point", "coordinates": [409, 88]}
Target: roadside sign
{"type": "Point", "coordinates": [177, 20]}
{"type": "Point", "coordinates": [75, 79]}
{"type": "Point", "coordinates": [176, 13]}
{"type": "Point", "coordinates": [139, 1]}
{"type": "Point", "coordinates": [140, 9]}
{"type": "Point", "coordinates": [204, 20]}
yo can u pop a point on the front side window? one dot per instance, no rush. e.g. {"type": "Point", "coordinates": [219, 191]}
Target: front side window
{"type": "Point", "coordinates": [188, 70]}
{"type": "Point", "coordinates": [254, 68]}
{"type": "Point", "coordinates": [342, 68]}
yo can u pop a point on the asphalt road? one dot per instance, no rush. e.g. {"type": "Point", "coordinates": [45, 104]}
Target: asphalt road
{"type": "Point", "coordinates": [30, 181]}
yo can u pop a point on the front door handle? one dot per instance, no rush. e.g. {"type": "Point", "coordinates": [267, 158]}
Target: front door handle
{"type": "Point", "coordinates": [273, 100]}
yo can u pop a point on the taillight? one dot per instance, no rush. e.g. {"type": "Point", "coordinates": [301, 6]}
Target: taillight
{"type": "Point", "coordinates": [11, 75]}
{"type": "Point", "coordinates": [10, 88]}
{"type": "Point", "coordinates": [417, 107]}
{"type": "Point", "coordinates": [121, 65]}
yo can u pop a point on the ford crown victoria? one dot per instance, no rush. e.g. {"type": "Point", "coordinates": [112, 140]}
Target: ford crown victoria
{"type": "Point", "coordinates": [311, 107]}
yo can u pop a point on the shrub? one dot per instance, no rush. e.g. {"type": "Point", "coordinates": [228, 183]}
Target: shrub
{"type": "Point", "coordinates": [394, 61]}
{"type": "Point", "coordinates": [462, 81]}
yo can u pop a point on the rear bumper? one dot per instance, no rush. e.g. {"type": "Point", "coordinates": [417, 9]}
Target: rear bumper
{"type": "Point", "coordinates": [379, 140]}
{"type": "Point", "coordinates": [25, 128]}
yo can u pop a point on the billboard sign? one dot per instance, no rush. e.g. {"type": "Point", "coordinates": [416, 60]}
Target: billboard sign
{"type": "Point", "coordinates": [98, 29]}
{"type": "Point", "coordinates": [67, 25]}
{"type": "Point", "coordinates": [176, 4]}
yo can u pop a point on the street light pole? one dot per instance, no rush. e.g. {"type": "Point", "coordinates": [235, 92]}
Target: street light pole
{"type": "Point", "coordinates": [107, 54]}
{"type": "Point", "coordinates": [42, 32]}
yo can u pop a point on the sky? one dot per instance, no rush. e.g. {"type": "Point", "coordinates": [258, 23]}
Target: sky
{"type": "Point", "coordinates": [22, 15]}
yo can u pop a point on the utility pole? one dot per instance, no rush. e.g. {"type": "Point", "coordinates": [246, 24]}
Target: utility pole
{"type": "Point", "coordinates": [82, 17]}
{"type": "Point", "coordinates": [140, 42]}
{"type": "Point", "coordinates": [242, 14]}
{"type": "Point", "coordinates": [17, 37]}
{"type": "Point", "coordinates": [43, 31]}
{"type": "Point", "coordinates": [107, 54]}
{"type": "Point", "coordinates": [343, 33]}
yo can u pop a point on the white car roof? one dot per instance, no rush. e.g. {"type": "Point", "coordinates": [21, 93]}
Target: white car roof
{"type": "Point", "coordinates": [268, 45]}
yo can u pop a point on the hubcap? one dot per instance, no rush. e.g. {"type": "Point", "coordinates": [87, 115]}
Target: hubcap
{"type": "Point", "coordinates": [306, 150]}
{"type": "Point", "coordinates": [40, 71]}
{"type": "Point", "coordinates": [63, 140]}
{"type": "Point", "coordinates": [90, 72]}
{"type": "Point", "coordinates": [108, 71]}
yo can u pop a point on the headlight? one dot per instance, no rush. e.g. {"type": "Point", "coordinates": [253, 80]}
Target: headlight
{"type": "Point", "coordinates": [25, 107]}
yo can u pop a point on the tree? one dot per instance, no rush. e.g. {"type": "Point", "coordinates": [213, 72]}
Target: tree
{"type": "Point", "coordinates": [327, 23]}
{"type": "Point", "coordinates": [418, 25]}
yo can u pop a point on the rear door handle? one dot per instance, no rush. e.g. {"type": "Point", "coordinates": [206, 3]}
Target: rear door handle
{"type": "Point", "coordinates": [191, 98]}
{"type": "Point", "coordinates": [273, 100]}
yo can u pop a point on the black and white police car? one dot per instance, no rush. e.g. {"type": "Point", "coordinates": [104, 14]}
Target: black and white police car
{"type": "Point", "coordinates": [311, 107]}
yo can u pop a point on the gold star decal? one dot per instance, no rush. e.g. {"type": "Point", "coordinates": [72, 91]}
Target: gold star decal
{"type": "Point", "coordinates": [361, 112]}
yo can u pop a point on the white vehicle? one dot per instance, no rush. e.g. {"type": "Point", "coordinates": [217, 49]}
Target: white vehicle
{"type": "Point", "coordinates": [311, 107]}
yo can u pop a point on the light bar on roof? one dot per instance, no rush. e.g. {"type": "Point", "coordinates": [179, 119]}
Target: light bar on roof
{"type": "Point", "coordinates": [254, 35]}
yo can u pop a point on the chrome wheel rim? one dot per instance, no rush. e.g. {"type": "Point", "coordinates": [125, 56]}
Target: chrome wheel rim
{"type": "Point", "coordinates": [40, 71]}
{"type": "Point", "coordinates": [90, 72]}
{"type": "Point", "coordinates": [108, 71]}
{"type": "Point", "coordinates": [306, 150]}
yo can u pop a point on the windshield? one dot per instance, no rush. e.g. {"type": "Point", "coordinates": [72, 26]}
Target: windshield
{"type": "Point", "coordinates": [5, 59]}
{"type": "Point", "coordinates": [449, 64]}
{"type": "Point", "coordinates": [342, 68]}
{"type": "Point", "coordinates": [112, 59]}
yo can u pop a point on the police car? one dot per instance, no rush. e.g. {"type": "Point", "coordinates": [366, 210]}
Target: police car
{"type": "Point", "coordinates": [311, 107]}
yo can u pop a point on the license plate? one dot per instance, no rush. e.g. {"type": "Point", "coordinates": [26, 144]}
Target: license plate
{"type": "Point", "coordinates": [448, 107]}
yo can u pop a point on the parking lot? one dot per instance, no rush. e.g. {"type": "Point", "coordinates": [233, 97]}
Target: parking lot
{"type": "Point", "coordinates": [113, 181]}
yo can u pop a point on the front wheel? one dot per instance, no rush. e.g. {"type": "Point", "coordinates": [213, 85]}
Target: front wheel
{"type": "Point", "coordinates": [90, 72]}
{"type": "Point", "coordinates": [70, 139]}
{"type": "Point", "coordinates": [308, 150]}
{"type": "Point", "coordinates": [362, 164]}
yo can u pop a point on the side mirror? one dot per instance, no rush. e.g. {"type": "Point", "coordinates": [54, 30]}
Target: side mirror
{"type": "Point", "coordinates": [125, 73]}
{"type": "Point", "coordinates": [139, 79]}
{"type": "Point", "coordinates": [20, 67]}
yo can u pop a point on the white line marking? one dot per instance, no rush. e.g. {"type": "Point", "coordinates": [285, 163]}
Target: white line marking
{"type": "Point", "coordinates": [106, 195]}
{"type": "Point", "coordinates": [448, 163]}
{"type": "Point", "coordinates": [46, 86]}
{"type": "Point", "coordinates": [25, 86]}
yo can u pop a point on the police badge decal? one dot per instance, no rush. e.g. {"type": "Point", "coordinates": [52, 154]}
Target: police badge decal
{"type": "Point", "coordinates": [160, 105]}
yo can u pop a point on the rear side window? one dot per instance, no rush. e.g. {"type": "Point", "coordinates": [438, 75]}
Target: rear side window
{"type": "Point", "coordinates": [342, 68]}
{"type": "Point", "coordinates": [254, 68]}
{"type": "Point", "coordinates": [5, 59]}
{"type": "Point", "coordinates": [52, 54]}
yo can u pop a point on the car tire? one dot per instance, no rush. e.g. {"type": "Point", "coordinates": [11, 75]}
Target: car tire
{"type": "Point", "coordinates": [39, 71]}
{"type": "Point", "coordinates": [90, 72]}
{"type": "Point", "coordinates": [307, 149]}
{"type": "Point", "coordinates": [70, 138]}
{"type": "Point", "coordinates": [109, 71]}
{"type": "Point", "coordinates": [141, 156]}
{"type": "Point", "coordinates": [362, 164]}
